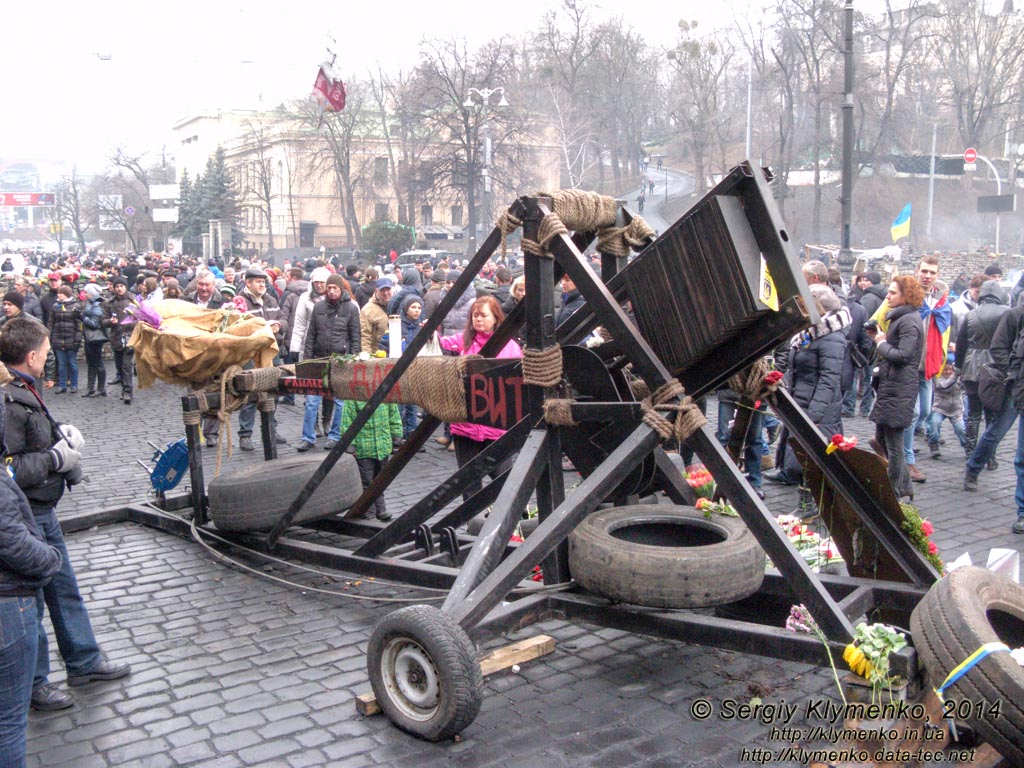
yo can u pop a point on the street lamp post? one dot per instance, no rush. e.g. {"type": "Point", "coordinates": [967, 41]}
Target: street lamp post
{"type": "Point", "coordinates": [481, 97]}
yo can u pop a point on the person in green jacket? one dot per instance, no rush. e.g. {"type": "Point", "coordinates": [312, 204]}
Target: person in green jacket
{"type": "Point", "coordinates": [374, 443]}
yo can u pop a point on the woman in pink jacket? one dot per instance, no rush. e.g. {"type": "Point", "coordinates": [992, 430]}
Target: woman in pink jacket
{"type": "Point", "coordinates": [470, 439]}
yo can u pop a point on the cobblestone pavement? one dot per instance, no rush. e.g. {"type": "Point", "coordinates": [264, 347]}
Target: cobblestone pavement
{"type": "Point", "coordinates": [234, 670]}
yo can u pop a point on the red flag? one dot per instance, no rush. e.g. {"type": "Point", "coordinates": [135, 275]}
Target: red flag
{"type": "Point", "coordinates": [331, 92]}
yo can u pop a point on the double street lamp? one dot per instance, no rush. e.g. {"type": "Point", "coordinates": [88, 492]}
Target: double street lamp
{"type": "Point", "coordinates": [481, 97]}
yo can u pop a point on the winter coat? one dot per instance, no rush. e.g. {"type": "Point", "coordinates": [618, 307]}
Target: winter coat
{"type": "Point", "coordinates": [814, 372]}
{"type": "Point", "coordinates": [33, 306]}
{"type": "Point", "coordinates": [949, 396]}
{"type": "Point", "coordinates": [92, 320]}
{"type": "Point", "coordinates": [216, 299]}
{"type": "Point", "coordinates": [27, 562]}
{"type": "Point", "coordinates": [265, 306]}
{"type": "Point", "coordinates": [300, 323]}
{"type": "Point", "coordinates": [977, 331]}
{"type": "Point", "coordinates": [65, 325]}
{"type": "Point", "coordinates": [364, 292]}
{"type": "Point", "coordinates": [373, 319]}
{"type": "Point", "coordinates": [872, 299]}
{"type": "Point", "coordinates": [571, 301]}
{"type": "Point", "coordinates": [856, 339]}
{"type": "Point", "coordinates": [458, 316]}
{"type": "Point", "coordinates": [896, 375]}
{"type": "Point", "coordinates": [377, 437]}
{"type": "Point", "coordinates": [456, 343]}
{"type": "Point", "coordinates": [29, 437]}
{"type": "Point", "coordinates": [46, 303]}
{"type": "Point", "coordinates": [333, 329]}
{"type": "Point", "coordinates": [292, 296]}
{"type": "Point", "coordinates": [432, 298]}
{"type": "Point", "coordinates": [1008, 355]}
{"type": "Point", "coordinates": [117, 309]}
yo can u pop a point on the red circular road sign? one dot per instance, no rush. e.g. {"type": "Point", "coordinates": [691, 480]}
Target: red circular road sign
{"type": "Point", "coordinates": [970, 155]}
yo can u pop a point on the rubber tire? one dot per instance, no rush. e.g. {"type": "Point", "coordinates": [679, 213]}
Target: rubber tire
{"type": "Point", "coordinates": [666, 576]}
{"type": "Point", "coordinates": [460, 683]}
{"type": "Point", "coordinates": [949, 624]}
{"type": "Point", "coordinates": [253, 498]}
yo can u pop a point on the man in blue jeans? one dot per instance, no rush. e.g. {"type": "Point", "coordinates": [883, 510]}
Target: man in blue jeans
{"type": "Point", "coordinates": [1008, 356]}
{"type": "Point", "coordinates": [43, 460]}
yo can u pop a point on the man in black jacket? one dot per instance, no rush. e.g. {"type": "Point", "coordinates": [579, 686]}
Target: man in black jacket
{"type": "Point", "coordinates": [261, 303]}
{"type": "Point", "coordinates": [27, 563]}
{"type": "Point", "coordinates": [43, 460]}
{"type": "Point", "coordinates": [333, 329]}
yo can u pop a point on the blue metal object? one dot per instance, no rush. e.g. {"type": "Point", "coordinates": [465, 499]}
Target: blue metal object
{"type": "Point", "coordinates": [171, 465]}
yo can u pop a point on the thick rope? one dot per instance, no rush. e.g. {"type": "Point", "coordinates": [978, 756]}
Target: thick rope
{"type": "Point", "coordinates": [192, 418]}
{"type": "Point", "coordinates": [542, 368]}
{"type": "Point", "coordinates": [618, 241]}
{"type": "Point", "coordinates": [507, 224]}
{"type": "Point", "coordinates": [583, 211]}
{"type": "Point", "coordinates": [265, 379]}
{"type": "Point", "coordinates": [752, 383]}
{"type": "Point", "coordinates": [688, 416]}
{"type": "Point", "coordinates": [551, 226]}
{"type": "Point", "coordinates": [558, 412]}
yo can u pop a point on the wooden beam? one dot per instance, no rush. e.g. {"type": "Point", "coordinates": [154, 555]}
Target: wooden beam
{"type": "Point", "coordinates": [495, 661]}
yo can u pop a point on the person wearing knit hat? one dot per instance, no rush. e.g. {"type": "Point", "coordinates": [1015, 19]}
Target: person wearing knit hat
{"type": "Point", "coordinates": [16, 301]}
{"type": "Point", "coordinates": [228, 291]}
{"type": "Point", "coordinates": [333, 330]}
{"type": "Point", "coordinates": [339, 281]}
{"type": "Point", "coordinates": [95, 337]}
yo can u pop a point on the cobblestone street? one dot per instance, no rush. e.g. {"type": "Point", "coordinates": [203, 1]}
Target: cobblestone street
{"type": "Point", "coordinates": [230, 669]}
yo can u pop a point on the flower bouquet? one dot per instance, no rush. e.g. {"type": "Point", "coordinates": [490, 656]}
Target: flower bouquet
{"type": "Point", "coordinates": [701, 481]}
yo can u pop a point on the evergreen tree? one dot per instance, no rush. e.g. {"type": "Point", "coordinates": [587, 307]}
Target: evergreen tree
{"type": "Point", "coordinates": [187, 226]}
{"type": "Point", "coordinates": [216, 197]}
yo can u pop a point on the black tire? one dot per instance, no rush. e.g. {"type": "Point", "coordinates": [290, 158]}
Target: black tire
{"type": "Point", "coordinates": [964, 610]}
{"type": "Point", "coordinates": [424, 672]}
{"type": "Point", "coordinates": [665, 557]}
{"type": "Point", "coordinates": [254, 497]}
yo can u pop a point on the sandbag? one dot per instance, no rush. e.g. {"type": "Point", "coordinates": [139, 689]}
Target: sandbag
{"type": "Point", "coordinates": [194, 344]}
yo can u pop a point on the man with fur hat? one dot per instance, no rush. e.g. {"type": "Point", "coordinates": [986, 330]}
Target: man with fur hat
{"type": "Point", "coordinates": [334, 328]}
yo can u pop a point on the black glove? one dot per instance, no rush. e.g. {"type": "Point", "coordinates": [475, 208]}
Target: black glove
{"type": "Point", "coordinates": [396, 443]}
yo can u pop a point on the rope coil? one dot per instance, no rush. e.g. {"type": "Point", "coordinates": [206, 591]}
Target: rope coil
{"type": "Point", "coordinates": [558, 412]}
{"type": "Point", "coordinates": [618, 241]}
{"type": "Point", "coordinates": [688, 418]}
{"type": "Point", "coordinates": [507, 224]}
{"type": "Point", "coordinates": [751, 383]}
{"type": "Point", "coordinates": [542, 367]}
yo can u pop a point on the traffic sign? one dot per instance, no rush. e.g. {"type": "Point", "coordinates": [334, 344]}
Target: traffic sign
{"type": "Point", "coordinates": [130, 210]}
{"type": "Point", "coordinates": [970, 155]}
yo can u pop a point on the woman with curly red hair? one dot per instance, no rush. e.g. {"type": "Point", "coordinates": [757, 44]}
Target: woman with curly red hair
{"type": "Point", "coordinates": [895, 377]}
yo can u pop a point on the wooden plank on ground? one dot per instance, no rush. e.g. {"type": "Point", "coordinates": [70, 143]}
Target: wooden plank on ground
{"type": "Point", "coordinates": [495, 661]}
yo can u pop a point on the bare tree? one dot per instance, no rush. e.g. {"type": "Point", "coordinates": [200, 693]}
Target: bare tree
{"type": "Point", "coordinates": [259, 175]}
{"type": "Point", "coordinates": [333, 138]}
{"type": "Point", "coordinates": [981, 57]}
{"type": "Point", "coordinates": [566, 47]}
{"type": "Point", "coordinates": [699, 73]}
{"type": "Point", "coordinates": [458, 85]}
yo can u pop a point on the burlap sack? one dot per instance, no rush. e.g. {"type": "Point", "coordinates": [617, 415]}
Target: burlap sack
{"type": "Point", "coordinates": [189, 347]}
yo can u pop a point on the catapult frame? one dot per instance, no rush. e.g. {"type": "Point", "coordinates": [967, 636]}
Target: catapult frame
{"type": "Point", "coordinates": [700, 316]}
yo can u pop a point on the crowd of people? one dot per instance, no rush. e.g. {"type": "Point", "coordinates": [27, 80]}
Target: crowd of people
{"type": "Point", "coordinates": [907, 353]}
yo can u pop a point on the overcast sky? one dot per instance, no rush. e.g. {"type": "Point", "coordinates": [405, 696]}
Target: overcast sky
{"type": "Point", "coordinates": [82, 77]}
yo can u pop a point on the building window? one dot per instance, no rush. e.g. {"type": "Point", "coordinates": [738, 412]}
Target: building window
{"type": "Point", "coordinates": [427, 215]}
{"type": "Point", "coordinates": [456, 215]}
{"type": "Point", "coordinates": [380, 170]}
{"type": "Point", "coordinates": [381, 212]}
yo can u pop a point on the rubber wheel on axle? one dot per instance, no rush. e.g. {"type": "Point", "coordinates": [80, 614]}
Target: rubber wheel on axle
{"type": "Point", "coordinates": [424, 672]}
{"type": "Point", "coordinates": [253, 498]}
{"type": "Point", "coordinates": [961, 612]}
{"type": "Point", "coordinates": [665, 557]}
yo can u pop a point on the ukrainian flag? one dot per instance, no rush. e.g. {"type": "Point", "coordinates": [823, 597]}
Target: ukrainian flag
{"type": "Point", "coordinates": [901, 225]}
